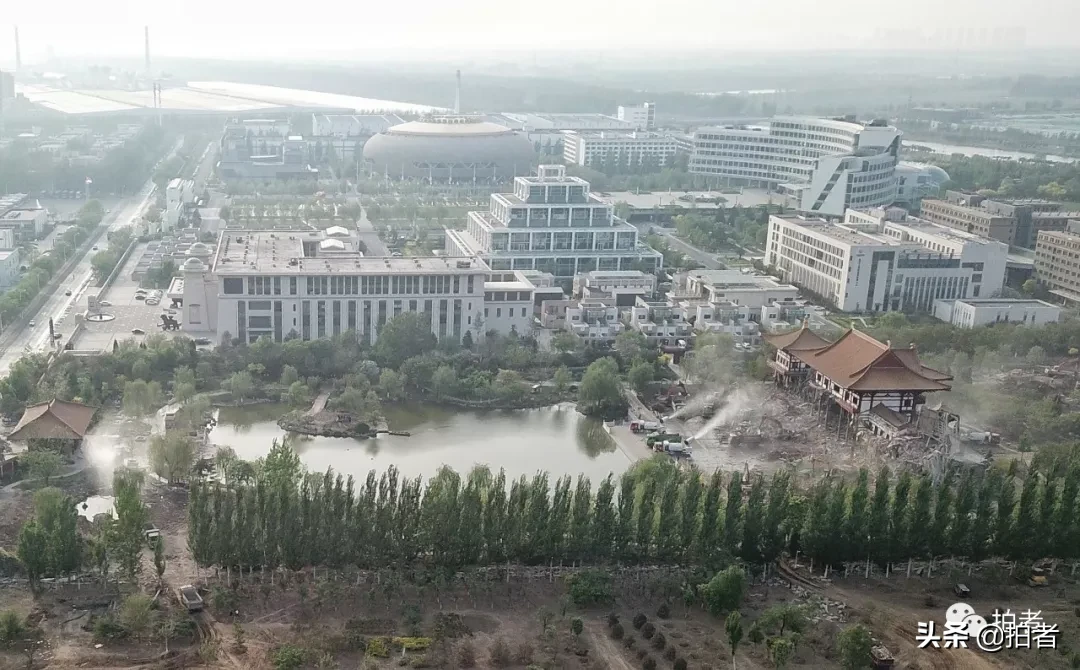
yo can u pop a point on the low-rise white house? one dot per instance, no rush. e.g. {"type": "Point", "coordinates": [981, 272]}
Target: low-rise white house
{"type": "Point", "coordinates": [973, 313]}
{"type": "Point", "coordinates": [594, 321]}
{"type": "Point", "coordinates": [660, 322]}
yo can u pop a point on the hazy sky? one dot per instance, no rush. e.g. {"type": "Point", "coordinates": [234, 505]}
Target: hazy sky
{"type": "Point", "coordinates": [344, 28]}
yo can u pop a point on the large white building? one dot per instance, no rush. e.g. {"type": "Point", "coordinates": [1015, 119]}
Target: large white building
{"type": "Point", "coordinates": [643, 116]}
{"type": "Point", "coordinates": [732, 286]}
{"type": "Point", "coordinates": [304, 284]}
{"type": "Point", "coordinates": [614, 150]}
{"type": "Point", "coordinates": [551, 223]}
{"type": "Point", "coordinates": [178, 193]}
{"type": "Point", "coordinates": [829, 165]}
{"type": "Point", "coordinates": [871, 264]}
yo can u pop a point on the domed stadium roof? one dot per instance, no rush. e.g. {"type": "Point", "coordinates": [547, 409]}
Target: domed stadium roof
{"type": "Point", "coordinates": [938, 175]}
{"type": "Point", "coordinates": [450, 148]}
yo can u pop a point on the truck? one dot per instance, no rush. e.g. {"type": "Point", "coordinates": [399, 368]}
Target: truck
{"type": "Point", "coordinates": [674, 448]}
{"type": "Point", "coordinates": [653, 438]}
{"type": "Point", "coordinates": [190, 598]}
{"type": "Point", "coordinates": [642, 426]}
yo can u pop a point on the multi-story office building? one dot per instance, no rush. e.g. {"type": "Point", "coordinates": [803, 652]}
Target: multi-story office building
{"type": "Point", "coordinates": [858, 268]}
{"type": "Point", "coordinates": [307, 285]}
{"type": "Point", "coordinates": [551, 223]}
{"type": "Point", "coordinates": [829, 165]}
{"type": "Point", "coordinates": [1057, 263]}
{"type": "Point", "coordinates": [986, 257]}
{"type": "Point", "coordinates": [643, 116]}
{"type": "Point", "coordinates": [178, 194]}
{"type": "Point", "coordinates": [963, 213]}
{"type": "Point", "coordinates": [618, 151]}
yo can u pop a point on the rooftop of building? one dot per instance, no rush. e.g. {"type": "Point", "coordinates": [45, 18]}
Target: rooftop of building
{"type": "Point", "coordinates": [859, 362]}
{"type": "Point", "coordinates": [619, 135]}
{"type": "Point", "coordinates": [944, 233]}
{"type": "Point", "coordinates": [20, 215]}
{"type": "Point", "coordinates": [1003, 302]}
{"type": "Point", "coordinates": [616, 274]}
{"type": "Point", "coordinates": [283, 253]}
{"type": "Point", "coordinates": [1056, 215]}
{"type": "Point", "coordinates": [733, 279]}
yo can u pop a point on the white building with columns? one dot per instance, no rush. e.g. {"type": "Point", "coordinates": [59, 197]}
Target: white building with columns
{"type": "Point", "coordinates": [306, 285]}
{"type": "Point", "coordinates": [551, 223]}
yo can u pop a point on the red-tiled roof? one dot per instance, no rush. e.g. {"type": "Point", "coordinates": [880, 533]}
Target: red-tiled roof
{"type": "Point", "coordinates": [802, 339]}
{"type": "Point", "coordinates": [55, 419]}
{"type": "Point", "coordinates": [861, 363]}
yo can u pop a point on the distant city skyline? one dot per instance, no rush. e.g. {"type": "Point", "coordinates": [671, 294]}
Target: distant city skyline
{"type": "Point", "coordinates": [338, 30]}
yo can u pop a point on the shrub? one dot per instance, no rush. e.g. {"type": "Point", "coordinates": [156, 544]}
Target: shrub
{"type": "Point", "coordinates": [289, 657]}
{"type": "Point", "coordinates": [500, 653]}
{"type": "Point", "coordinates": [664, 611]}
{"type": "Point", "coordinates": [647, 631]}
{"type": "Point", "coordinates": [642, 653]}
{"type": "Point", "coordinates": [929, 601]}
{"type": "Point", "coordinates": [107, 629]}
{"type": "Point", "coordinates": [669, 653]}
{"type": "Point", "coordinates": [1074, 661]}
{"type": "Point", "coordinates": [659, 641]}
{"type": "Point", "coordinates": [379, 647]}
{"type": "Point", "coordinates": [450, 625]}
{"type": "Point", "coordinates": [524, 654]}
{"type": "Point", "coordinates": [650, 663]}
{"type": "Point", "coordinates": [680, 664]}
{"type": "Point", "coordinates": [466, 655]}
{"type": "Point", "coordinates": [756, 635]}
{"type": "Point", "coordinates": [628, 643]}
{"type": "Point", "coordinates": [11, 627]}
{"type": "Point", "coordinates": [617, 631]}
{"type": "Point", "coordinates": [639, 621]}
{"type": "Point", "coordinates": [411, 643]}
{"type": "Point", "coordinates": [613, 619]}
{"type": "Point", "coordinates": [590, 587]}
{"type": "Point", "coordinates": [1077, 611]}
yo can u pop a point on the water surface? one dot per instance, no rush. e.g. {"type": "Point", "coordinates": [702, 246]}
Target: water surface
{"type": "Point", "coordinates": [556, 439]}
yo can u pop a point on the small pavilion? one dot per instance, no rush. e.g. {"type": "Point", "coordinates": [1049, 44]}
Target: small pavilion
{"type": "Point", "coordinates": [62, 421]}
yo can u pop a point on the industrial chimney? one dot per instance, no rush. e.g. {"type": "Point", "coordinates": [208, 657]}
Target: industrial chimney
{"type": "Point", "coordinates": [457, 94]}
{"type": "Point", "coordinates": [146, 37]}
{"type": "Point", "coordinates": [18, 51]}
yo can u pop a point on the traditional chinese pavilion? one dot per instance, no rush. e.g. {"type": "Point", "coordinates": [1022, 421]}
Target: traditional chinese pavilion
{"type": "Point", "coordinates": [60, 420]}
{"type": "Point", "coordinates": [856, 371]}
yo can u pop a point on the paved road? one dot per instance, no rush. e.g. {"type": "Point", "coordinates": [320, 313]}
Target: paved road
{"type": "Point", "coordinates": [61, 307]}
{"type": "Point", "coordinates": [703, 257]}
{"type": "Point", "coordinates": [366, 232]}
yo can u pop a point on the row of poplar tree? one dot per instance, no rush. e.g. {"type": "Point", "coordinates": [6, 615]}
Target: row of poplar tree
{"type": "Point", "coordinates": [652, 513]}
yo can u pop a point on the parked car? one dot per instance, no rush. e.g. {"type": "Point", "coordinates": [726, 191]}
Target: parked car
{"type": "Point", "coordinates": [33, 323]}
{"type": "Point", "coordinates": [140, 296]}
{"type": "Point", "coordinates": [67, 292]}
{"type": "Point", "coordinates": [203, 341]}
{"type": "Point", "coordinates": [138, 331]}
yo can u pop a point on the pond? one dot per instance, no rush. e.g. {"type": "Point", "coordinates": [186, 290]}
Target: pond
{"type": "Point", "coordinates": [556, 439]}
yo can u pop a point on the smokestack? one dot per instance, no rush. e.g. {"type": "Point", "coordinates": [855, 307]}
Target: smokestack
{"type": "Point", "coordinates": [457, 94]}
{"type": "Point", "coordinates": [146, 37]}
{"type": "Point", "coordinates": [18, 51]}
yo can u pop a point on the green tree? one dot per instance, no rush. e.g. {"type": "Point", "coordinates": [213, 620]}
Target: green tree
{"type": "Point", "coordinates": [289, 375]}
{"type": "Point", "coordinates": [392, 385]}
{"type": "Point", "coordinates": [159, 559]}
{"type": "Point", "coordinates": [404, 336]}
{"type": "Point", "coordinates": [724, 592]}
{"type": "Point", "coordinates": [732, 520]}
{"type": "Point", "coordinates": [141, 397]}
{"type": "Point", "coordinates": [137, 615]}
{"type": "Point", "coordinates": [854, 644]}
{"type": "Point", "coordinates": [1029, 287]}
{"type": "Point", "coordinates": [753, 520]}
{"type": "Point", "coordinates": [240, 385]}
{"type": "Point", "coordinates": [577, 626]}
{"type": "Point", "coordinates": [734, 628]}
{"type": "Point", "coordinates": [781, 650]}
{"type": "Point", "coordinates": [562, 379]}
{"type": "Point", "coordinates": [858, 516]}
{"type": "Point", "coordinates": [126, 537]}
{"type": "Point", "coordinates": [172, 455]}
{"type": "Point", "coordinates": [600, 393]}
{"type": "Point", "coordinates": [33, 551]}
{"type": "Point", "coordinates": [509, 385]}
{"type": "Point", "coordinates": [565, 342]}
{"type": "Point", "coordinates": [42, 463]}
{"type": "Point", "coordinates": [444, 382]}
{"type": "Point", "coordinates": [641, 373]}
{"type": "Point", "coordinates": [298, 395]}
{"type": "Point", "coordinates": [632, 345]}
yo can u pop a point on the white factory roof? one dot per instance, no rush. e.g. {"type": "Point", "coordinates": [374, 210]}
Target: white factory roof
{"type": "Point", "coordinates": [206, 96]}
